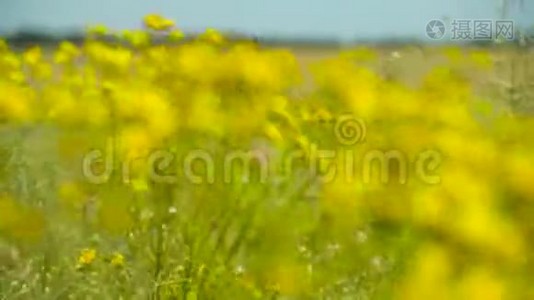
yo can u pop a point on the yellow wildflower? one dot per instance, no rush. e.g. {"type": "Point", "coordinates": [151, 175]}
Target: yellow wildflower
{"type": "Point", "coordinates": [99, 29]}
{"type": "Point", "coordinates": [117, 260]}
{"type": "Point", "coordinates": [87, 257]}
{"type": "Point", "coordinates": [212, 36]}
{"type": "Point", "coordinates": [66, 52]}
{"type": "Point", "coordinates": [176, 35]}
{"type": "Point", "coordinates": [157, 22]}
{"type": "Point", "coordinates": [137, 38]}
{"type": "Point", "coordinates": [15, 103]}
{"type": "Point", "coordinates": [33, 56]}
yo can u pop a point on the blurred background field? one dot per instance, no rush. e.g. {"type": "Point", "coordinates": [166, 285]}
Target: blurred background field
{"type": "Point", "coordinates": [375, 168]}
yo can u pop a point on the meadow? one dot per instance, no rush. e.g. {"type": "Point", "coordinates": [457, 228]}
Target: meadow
{"type": "Point", "coordinates": [213, 169]}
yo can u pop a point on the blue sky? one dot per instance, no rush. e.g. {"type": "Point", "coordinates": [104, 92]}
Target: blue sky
{"type": "Point", "coordinates": [341, 19]}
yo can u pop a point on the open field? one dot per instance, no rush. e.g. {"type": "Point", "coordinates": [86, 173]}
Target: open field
{"type": "Point", "coordinates": [216, 170]}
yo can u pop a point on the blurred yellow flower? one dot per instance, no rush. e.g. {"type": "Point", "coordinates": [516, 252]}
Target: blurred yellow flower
{"type": "Point", "coordinates": [87, 257]}
{"type": "Point", "coordinates": [71, 195]}
{"type": "Point", "coordinates": [19, 222]}
{"type": "Point", "coordinates": [98, 30]}
{"type": "Point", "coordinates": [117, 260]}
{"type": "Point", "coordinates": [66, 52]}
{"type": "Point", "coordinates": [33, 56]}
{"type": "Point", "coordinates": [176, 35]}
{"type": "Point", "coordinates": [157, 22]}
{"type": "Point", "coordinates": [481, 284]}
{"type": "Point", "coordinates": [213, 36]}
{"type": "Point", "coordinates": [429, 277]}
{"type": "Point", "coordinates": [15, 103]}
{"type": "Point", "coordinates": [137, 38]}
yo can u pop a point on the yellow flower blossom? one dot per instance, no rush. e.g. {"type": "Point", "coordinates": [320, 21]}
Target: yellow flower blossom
{"type": "Point", "coordinates": [213, 36]}
{"type": "Point", "coordinates": [66, 53]}
{"type": "Point", "coordinates": [33, 55]}
{"type": "Point", "coordinates": [176, 35]}
{"type": "Point", "coordinates": [15, 103]}
{"type": "Point", "coordinates": [98, 30]}
{"type": "Point", "coordinates": [157, 22]}
{"type": "Point", "coordinates": [137, 38]}
{"type": "Point", "coordinates": [87, 257]}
